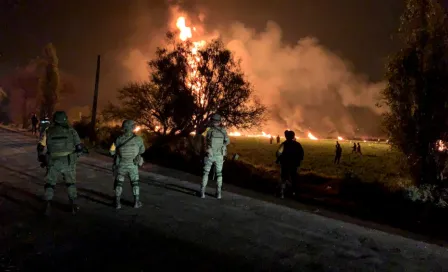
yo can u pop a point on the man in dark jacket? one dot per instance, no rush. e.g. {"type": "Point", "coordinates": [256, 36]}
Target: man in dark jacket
{"type": "Point", "coordinates": [289, 155]}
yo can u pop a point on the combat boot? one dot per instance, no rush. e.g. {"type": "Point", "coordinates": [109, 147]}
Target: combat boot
{"type": "Point", "coordinates": [218, 193]}
{"type": "Point", "coordinates": [137, 203]}
{"type": "Point", "coordinates": [117, 202]}
{"type": "Point", "coordinates": [47, 210]}
{"type": "Point", "coordinates": [74, 206]}
{"type": "Point", "coordinates": [202, 192]}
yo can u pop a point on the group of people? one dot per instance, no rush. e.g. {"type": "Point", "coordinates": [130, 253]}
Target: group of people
{"type": "Point", "coordinates": [338, 152]}
{"type": "Point", "coordinates": [37, 126]}
{"type": "Point", "coordinates": [60, 146]}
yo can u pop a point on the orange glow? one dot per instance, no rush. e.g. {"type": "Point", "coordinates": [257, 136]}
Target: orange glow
{"type": "Point", "coordinates": [311, 136]}
{"type": "Point", "coordinates": [340, 138]}
{"type": "Point", "coordinates": [441, 146]}
{"type": "Point", "coordinates": [193, 81]}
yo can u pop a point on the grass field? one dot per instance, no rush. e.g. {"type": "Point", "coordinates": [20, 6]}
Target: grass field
{"type": "Point", "coordinates": [378, 162]}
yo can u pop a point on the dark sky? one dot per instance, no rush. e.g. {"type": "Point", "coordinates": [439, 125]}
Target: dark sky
{"type": "Point", "coordinates": [358, 30]}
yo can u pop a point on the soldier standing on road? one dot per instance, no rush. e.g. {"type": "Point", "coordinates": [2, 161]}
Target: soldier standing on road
{"type": "Point", "coordinates": [63, 148]}
{"type": "Point", "coordinates": [290, 155]}
{"type": "Point", "coordinates": [337, 157]}
{"type": "Point", "coordinates": [127, 150]}
{"type": "Point", "coordinates": [271, 140]}
{"type": "Point", "coordinates": [216, 141]}
{"type": "Point", "coordinates": [278, 139]}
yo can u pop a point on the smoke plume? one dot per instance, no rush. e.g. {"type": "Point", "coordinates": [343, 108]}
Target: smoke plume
{"type": "Point", "coordinates": [305, 85]}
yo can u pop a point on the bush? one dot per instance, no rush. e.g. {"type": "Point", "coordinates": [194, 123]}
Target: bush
{"type": "Point", "coordinates": [82, 127]}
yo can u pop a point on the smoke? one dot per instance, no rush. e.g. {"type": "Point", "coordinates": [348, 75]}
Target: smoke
{"type": "Point", "coordinates": [305, 86]}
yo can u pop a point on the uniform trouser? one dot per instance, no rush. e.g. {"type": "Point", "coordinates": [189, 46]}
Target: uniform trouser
{"type": "Point", "coordinates": [290, 173]}
{"type": "Point", "coordinates": [218, 161]}
{"type": "Point", "coordinates": [65, 167]}
{"type": "Point", "coordinates": [34, 129]}
{"type": "Point", "coordinates": [130, 171]}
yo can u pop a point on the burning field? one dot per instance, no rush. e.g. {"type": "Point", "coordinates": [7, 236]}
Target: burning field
{"type": "Point", "coordinates": [377, 163]}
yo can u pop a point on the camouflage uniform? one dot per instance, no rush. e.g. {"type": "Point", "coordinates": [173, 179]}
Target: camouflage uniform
{"type": "Point", "coordinates": [63, 146]}
{"type": "Point", "coordinates": [216, 148]}
{"type": "Point", "coordinates": [128, 156]}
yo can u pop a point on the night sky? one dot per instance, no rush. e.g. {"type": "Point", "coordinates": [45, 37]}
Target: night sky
{"type": "Point", "coordinates": [360, 31]}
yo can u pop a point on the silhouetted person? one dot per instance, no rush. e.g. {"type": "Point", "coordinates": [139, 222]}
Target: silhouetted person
{"type": "Point", "coordinates": [278, 139]}
{"type": "Point", "coordinates": [354, 148]}
{"type": "Point", "coordinates": [34, 122]}
{"type": "Point", "coordinates": [290, 155]}
{"type": "Point", "coordinates": [271, 140]}
{"type": "Point", "coordinates": [358, 149]}
{"type": "Point", "coordinates": [337, 157]}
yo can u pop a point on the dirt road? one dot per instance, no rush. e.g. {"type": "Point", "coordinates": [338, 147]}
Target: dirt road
{"type": "Point", "coordinates": [175, 229]}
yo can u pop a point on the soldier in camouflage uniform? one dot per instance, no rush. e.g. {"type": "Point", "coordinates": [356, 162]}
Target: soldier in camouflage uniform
{"type": "Point", "coordinates": [127, 150]}
{"type": "Point", "coordinates": [63, 148]}
{"type": "Point", "coordinates": [216, 148]}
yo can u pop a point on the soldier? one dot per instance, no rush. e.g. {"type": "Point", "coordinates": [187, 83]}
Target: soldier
{"type": "Point", "coordinates": [43, 125]}
{"type": "Point", "coordinates": [337, 157]}
{"type": "Point", "coordinates": [271, 139]}
{"type": "Point", "coordinates": [290, 155]}
{"type": "Point", "coordinates": [127, 150]}
{"type": "Point", "coordinates": [216, 148]}
{"type": "Point", "coordinates": [278, 139]}
{"type": "Point", "coordinates": [63, 148]}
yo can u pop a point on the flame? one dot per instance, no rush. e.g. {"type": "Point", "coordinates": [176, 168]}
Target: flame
{"type": "Point", "coordinates": [137, 128]}
{"type": "Point", "coordinates": [193, 60]}
{"type": "Point", "coordinates": [235, 134]}
{"type": "Point", "coordinates": [340, 138]}
{"type": "Point", "coordinates": [441, 146]}
{"type": "Point", "coordinates": [311, 136]}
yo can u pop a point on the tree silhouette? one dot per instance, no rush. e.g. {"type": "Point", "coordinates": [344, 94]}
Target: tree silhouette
{"type": "Point", "coordinates": [187, 85]}
{"type": "Point", "coordinates": [49, 82]}
{"type": "Point", "coordinates": [417, 87]}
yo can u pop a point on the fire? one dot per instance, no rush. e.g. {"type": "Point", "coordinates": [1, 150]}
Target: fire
{"type": "Point", "coordinates": [235, 134]}
{"type": "Point", "coordinates": [137, 128]}
{"type": "Point", "coordinates": [340, 138]}
{"type": "Point", "coordinates": [193, 59]}
{"type": "Point", "coordinates": [311, 136]}
{"type": "Point", "coordinates": [441, 146]}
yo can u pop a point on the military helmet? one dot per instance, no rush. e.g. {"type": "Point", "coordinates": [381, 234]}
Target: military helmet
{"type": "Point", "coordinates": [60, 117]}
{"type": "Point", "coordinates": [216, 117]}
{"type": "Point", "coordinates": [128, 125]}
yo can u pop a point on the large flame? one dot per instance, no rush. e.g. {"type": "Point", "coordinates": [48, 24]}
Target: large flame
{"type": "Point", "coordinates": [340, 138]}
{"type": "Point", "coordinates": [311, 136]}
{"type": "Point", "coordinates": [441, 146]}
{"type": "Point", "coordinates": [193, 59]}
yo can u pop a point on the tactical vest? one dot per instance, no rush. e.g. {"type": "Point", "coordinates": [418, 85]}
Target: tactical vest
{"type": "Point", "coordinates": [60, 141]}
{"type": "Point", "coordinates": [215, 142]}
{"type": "Point", "coordinates": [130, 150]}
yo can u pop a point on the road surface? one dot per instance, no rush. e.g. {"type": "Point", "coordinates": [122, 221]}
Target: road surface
{"type": "Point", "coordinates": [175, 229]}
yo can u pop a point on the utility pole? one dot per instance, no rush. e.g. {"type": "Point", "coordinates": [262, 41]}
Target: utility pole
{"type": "Point", "coordinates": [95, 99]}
